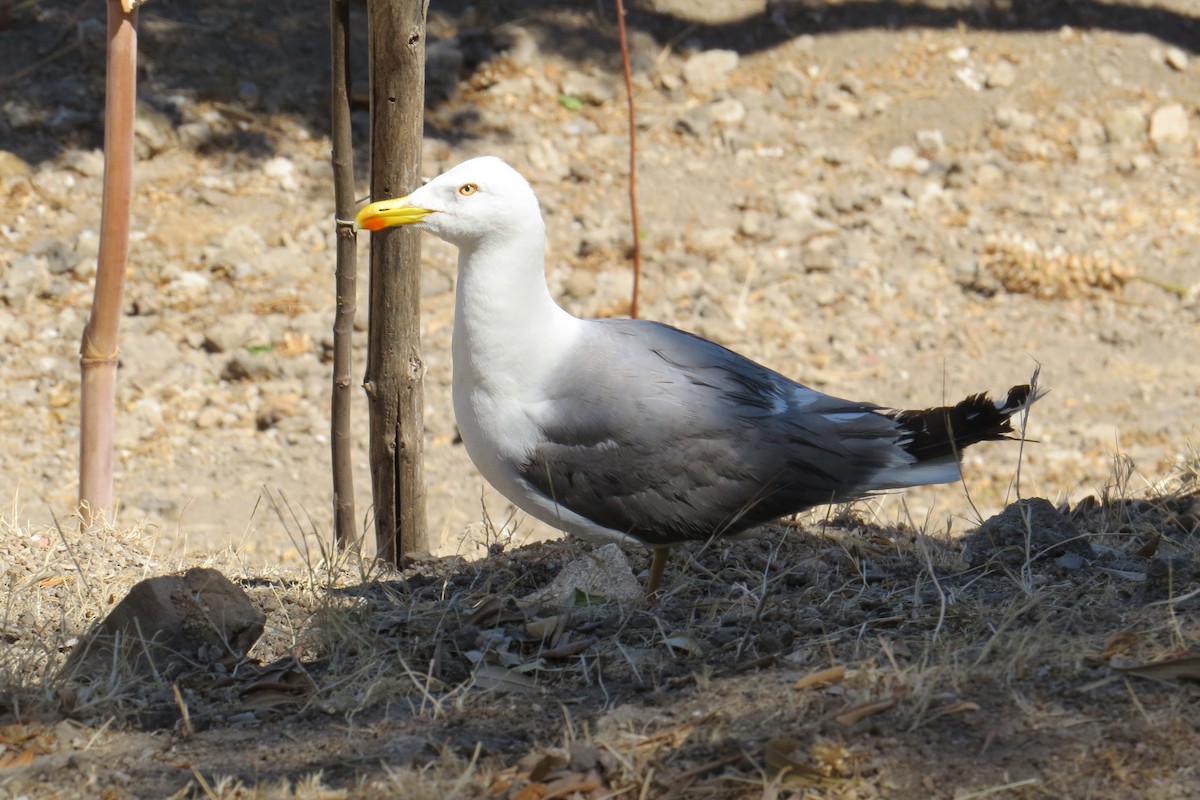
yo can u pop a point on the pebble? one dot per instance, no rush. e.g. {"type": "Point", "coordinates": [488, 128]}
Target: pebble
{"type": "Point", "coordinates": [153, 132]}
{"type": "Point", "coordinates": [1176, 59]}
{"type": "Point", "coordinates": [1125, 124]}
{"type": "Point", "coordinates": [1010, 118]}
{"type": "Point", "coordinates": [695, 122]}
{"type": "Point", "coordinates": [24, 281]}
{"type": "Point", "coordinates": [727, 112]}
{"type": "Point", "coordinates": [790, 82]}
{"type": "Point", "coordinates": [283, 171]}
{"type": "Point", "coordinates": [89, 163]}
{"type": "Point", "coordinates": [1089, 132]}
{"type": "Point", "coordinates": [931, 142]}
{"type": "Point", "coordinates": [591, 89]}
{"type": "Point", "coordinates": [13, 166]}
{"type": "Point", "coordinates": [904, 158]}
{"type": "Point", "coordinates": [709, 68]}
{"type": "Point", "coordinates": [1169, 125]}
{"type": "Point", "coordinates": [239, 331]}
{"type": "Point", "coordinates": [1000, 75]}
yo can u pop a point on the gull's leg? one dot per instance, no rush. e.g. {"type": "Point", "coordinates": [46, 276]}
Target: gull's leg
{"type": "Point", "coordinates": [658, 563]}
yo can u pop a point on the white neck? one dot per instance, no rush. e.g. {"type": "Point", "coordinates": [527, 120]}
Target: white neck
{"type": "Point", "coordinates": [508, 331]}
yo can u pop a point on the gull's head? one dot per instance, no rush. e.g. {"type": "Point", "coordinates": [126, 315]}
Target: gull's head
{"type": "Point", "coordinates": [476, 200]}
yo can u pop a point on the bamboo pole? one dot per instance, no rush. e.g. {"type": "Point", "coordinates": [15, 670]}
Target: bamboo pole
{"type": "Point", "coordinates": [98, 350]}
{"type": "Point", "coordinates": [341, 442]}
{"type": "Point", "coordinates": [393, 382]}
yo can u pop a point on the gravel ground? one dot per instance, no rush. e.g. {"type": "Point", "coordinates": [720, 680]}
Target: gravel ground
{"type": "Point", "coordinates": [894, 202]}
{"type": "Point", "coordinates": [898, 213]}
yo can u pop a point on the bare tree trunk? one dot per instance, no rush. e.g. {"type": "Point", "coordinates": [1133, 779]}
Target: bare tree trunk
{"type": "Point", "coordinates": [98, 351]}
{"type": "Point", "coordinates": [394, 365]}
{"type": "Point", "coordinates": [341, 441]}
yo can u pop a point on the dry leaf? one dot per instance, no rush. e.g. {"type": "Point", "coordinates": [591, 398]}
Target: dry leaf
{"type": "Point", "coordinates": [1186, 668]}
{"type": "Point", "coordinates": [490, 676]}
{"type": "Point", "coordinates": [685, 642]}
{"type": "Point", "coordinates": [821, 678]}
{"type": "Point", "coordinates": [863, 710]}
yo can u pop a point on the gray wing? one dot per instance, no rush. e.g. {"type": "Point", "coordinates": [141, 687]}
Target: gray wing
{"type": "Point", "coordinates": [666, 436]}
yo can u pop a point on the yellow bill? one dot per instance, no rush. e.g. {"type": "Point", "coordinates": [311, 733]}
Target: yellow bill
{"type": "Point", "coordinates": [389, 213]}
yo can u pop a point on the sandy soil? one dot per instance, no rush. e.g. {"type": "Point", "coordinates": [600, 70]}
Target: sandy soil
{"type": "Point", "coordinates": [898, 203]}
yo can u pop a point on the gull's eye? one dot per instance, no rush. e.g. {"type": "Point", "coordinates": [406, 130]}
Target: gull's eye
{"type": "Point", "coordinates": [468, 189]}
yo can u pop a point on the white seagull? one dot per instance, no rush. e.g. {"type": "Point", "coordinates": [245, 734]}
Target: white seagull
{"type": "Point", "coordinates": [612, 429]}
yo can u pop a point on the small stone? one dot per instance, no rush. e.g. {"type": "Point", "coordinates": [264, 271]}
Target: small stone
{"type": "Point", "coordinates": [988, 175]}
{"type": "Point", "coordinates": [727, 112]}
{"type": "Point", "coordinates": [89, 163]}
{"type": "Point", "coordinates": [1000, 75]}
{"type": "Point", "coordinates": [1125, 124]}
{"type": "Point", "coordinates": [251, 367]}
{"type": "Point", "coordinates": [161, 626]}
{"type": "Point", "coordinates": [931, 142]}
{"type": "Point", "coordinates": [194, 135]}
{"type": "Point", "coordinates": [790, 82]}
{"type": "Point", "coordinates": [239, 331]}
{"type": "Point", "coordinates": [19, 116]}
{"type": "Point", "coordinates": [24, 281]}
{"type": "Point", "coordinates": [1169, 125]}
{"type": "Point", "coordinates": [590, 89]}
{"type": "Point", "coordinates": [13, 166]}
{"type": "Point", "coordinates": [753, 225]}
{"type": "Point", "coordinates": [901, 157]}
{"type": "Point", "coordinates": [709, 68]}
{"type": "Point", "coordinates": [153, 131]}
{"type": "Point", "coordinates": [283, 170]}
{"type": "Point", "coordinates": [710, 242]}
{"type": "Point", "coordinates": [1089, 132]}
{"type": "Point", "coordinates": [695, 122]}
{"type": "Point", "coordinates": [1008, 117]}
{"type": "Point", "coordinates": [1176, 59]}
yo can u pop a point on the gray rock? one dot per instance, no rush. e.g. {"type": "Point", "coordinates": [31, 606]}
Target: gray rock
{"type": "Point", "coordinates": [153, 132]}
{"type": "Point", "coordinates": [235, 332]}
{"type": "Point", "coordinates": [25, 280]}
{"type": "Point", "coordinates": [1176, 59]}
{"type": "Point", "coordinates": [696, 122]}
{"type": "Point", "coordinates": [727, 112]}
{"type": "Point", "coordinates": [790, 82]}
{"type": "Point", "coordinates": [13, 166]}
{"type": "Point", "coordinates": [1169, 125]}
{"type": "Point", "coordinates": [252, 367]}
{"type": "Point", "coordinates": [709, 68]}
{"type": "Point", "coordinates": [60, 256]}
{"type": "Point", "coordinates": [164, 623]}
{"type": "Point", "coordinates": [19, 116]}
{"type": "Point", "coordinates": [931, 142]}
{"type": "Point", "coordinates": [89, 163]}
{"type": "Point", "coordinates": [1125, 124]}
{"type": "Point", "coordinates": [591, 89]}
{"type": "Point", "coordinates": [1010, 118]}
{"type": "Point", "coordinates": [1000, 75]}
{"type": "Point", "coordinates": [195, 135]}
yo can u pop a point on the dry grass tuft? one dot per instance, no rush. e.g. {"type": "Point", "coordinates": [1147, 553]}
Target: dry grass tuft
{"type": "Point", "coordinates": [819, 659]}
{"type": "Point", "coordinates": [1021, 266]}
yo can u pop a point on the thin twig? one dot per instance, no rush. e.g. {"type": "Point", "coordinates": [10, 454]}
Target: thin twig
{"type": "Point", "coordinates": [633, 212]}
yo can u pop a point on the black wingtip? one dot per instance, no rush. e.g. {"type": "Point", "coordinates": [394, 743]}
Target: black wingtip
{"type": "Point", "coordinates": [940, 432]}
